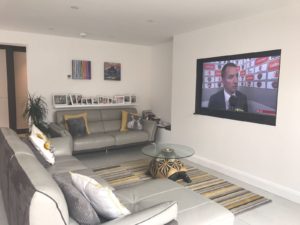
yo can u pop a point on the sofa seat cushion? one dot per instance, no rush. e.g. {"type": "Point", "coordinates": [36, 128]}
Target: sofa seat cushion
{"type": "Point", "coordinates": [93, 141]}
{"type": "Point", "coordinates": [129, 137]}
{"type": "Point", "coordinates": [65, 164]}
{"type": "Point", "coordinates": [191, 206]}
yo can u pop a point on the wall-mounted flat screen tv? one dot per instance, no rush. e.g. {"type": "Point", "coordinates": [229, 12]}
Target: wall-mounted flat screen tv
{"type": "Point", "coordinates": [241, 87]}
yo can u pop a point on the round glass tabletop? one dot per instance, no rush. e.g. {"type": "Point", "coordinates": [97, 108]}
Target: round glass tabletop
{"type": "Point", "coordinates": [168, 151]}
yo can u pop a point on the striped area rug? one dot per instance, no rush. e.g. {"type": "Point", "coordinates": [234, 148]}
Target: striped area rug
{"type": "Point", "coordinates": [231, 196]}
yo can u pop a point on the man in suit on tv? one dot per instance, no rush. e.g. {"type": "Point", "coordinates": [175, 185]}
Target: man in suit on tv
{"type": "Point", "coordinates": [229, 98]}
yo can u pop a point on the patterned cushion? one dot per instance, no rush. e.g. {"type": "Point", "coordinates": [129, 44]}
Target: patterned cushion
{"type": "Point", "coordinates": [79, 207]}
{"type": "Point", "coordinates": [134, 122]}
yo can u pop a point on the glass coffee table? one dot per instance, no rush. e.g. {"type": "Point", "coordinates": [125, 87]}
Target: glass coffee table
{"type": "Point", "coordinates": [166, 163]}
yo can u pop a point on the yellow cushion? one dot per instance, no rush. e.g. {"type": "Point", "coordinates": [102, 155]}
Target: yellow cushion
{"type": "Point", "coordinates": [124, 121]}
{"type": "Point", "coordinates": [74, 116]}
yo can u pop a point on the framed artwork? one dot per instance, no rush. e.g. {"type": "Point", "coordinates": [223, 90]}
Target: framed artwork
{"type": "Point", "coordinates": [60, 99]}
{"type": "Point", "coordinates": [81, 70]}
{"type": "Point", "coordinates": [127, 99]}
{"type": "Point", "coordinates": [133, 99]}
{"type": "Point", "coordinates": [112, 71]}
{"type": "Point", "coordinates": [119, 99]}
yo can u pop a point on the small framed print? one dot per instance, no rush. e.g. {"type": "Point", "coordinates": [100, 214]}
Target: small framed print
{"type": "Point", "coordinates": [95, 101]}
{"type": "Point", "coordinates": [104, 100]}
{"type": "Point", "coordinates": [133, 99]}
{"type": "Point", "coordinates": [127, 99]}
{"type": "Point", "coordinates": [119, 99]}
{"type": "Point", "coordinates": [60, 99]}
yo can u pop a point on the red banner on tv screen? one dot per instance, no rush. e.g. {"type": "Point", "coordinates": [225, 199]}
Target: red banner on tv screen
{"type": "Point", "coordinates": [209, 66]}
{"type": "Point", "coordinates": [261, 60]}
{"type": "Point", "coordinates": [249, 77]}
{"type": "Point", "coordinates": [274, 65]}
{"type": "Point", "coordinates": [218, 73]}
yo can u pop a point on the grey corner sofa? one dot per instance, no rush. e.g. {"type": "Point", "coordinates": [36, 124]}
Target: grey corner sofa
{"type": "Point", "coordinates": [104, 126]}
{"type": "Point", "coordinates": [32, 197]}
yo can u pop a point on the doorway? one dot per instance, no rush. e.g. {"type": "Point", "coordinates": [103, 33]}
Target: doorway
{"type": "Point", "coordinates": [13, 87]}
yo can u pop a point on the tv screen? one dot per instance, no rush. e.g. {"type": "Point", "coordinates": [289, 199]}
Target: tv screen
{"type": "Point", "coordinates": [242, 87]}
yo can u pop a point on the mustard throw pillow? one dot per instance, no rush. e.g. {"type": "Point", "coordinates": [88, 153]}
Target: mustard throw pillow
{"type": "Point", "coordinates": [74, 116]}
{"type": "Point", "coordinates": [124, 121]}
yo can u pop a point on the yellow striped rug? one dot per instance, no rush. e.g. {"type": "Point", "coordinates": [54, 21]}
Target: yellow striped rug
{"type": "Point", "coordinates": [231, 196]}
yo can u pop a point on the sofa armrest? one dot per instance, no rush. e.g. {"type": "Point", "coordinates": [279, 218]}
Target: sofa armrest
{"type": "Point", "coordinates": [62, 145]}
{"type": "Point", "coordinates": [58, 131]}
{"type": "Point", "coordinates": [150, 127]}
{"type": "Point", "coordinates": [160, 214]}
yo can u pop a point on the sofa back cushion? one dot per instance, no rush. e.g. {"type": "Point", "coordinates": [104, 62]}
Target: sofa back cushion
{"type": "Point", "coordinates": [112, 118]}
{"type": "Point", "coordinates": [94, 120]}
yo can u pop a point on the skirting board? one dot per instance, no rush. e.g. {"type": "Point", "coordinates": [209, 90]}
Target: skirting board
{"type": "Point", "coordinates": [258, 182]}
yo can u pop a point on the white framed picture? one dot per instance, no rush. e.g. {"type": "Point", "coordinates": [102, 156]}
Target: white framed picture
{"type": "Point", "coordinates": [119, 99]}
{"type": "Point", "coordinates": [60, 99]}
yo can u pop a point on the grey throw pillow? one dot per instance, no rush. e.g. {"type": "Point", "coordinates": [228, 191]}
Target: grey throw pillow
{"type": "Point", "coordinates": [79, 207]}
{"type": "Point", "coordinates": [134, 122]}
{"type": "Point", "coordinates": [77, 127]}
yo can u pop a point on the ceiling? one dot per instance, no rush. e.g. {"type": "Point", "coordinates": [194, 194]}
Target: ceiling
{"type": "Point", "coordinates": [145, 22]}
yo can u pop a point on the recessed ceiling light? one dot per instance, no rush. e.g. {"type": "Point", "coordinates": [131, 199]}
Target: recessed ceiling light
{"type": "Point", "coordinates": [74, 7]}
{"type": "Point", "coordinates": [83, 34]}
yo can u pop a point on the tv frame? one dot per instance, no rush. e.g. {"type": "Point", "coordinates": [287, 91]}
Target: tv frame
{"type": "Point", "coordinates": [241, 116]}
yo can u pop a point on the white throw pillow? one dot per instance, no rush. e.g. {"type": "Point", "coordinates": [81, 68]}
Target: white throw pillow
{"type": "Point", "coordinates": [42, 144]}
{"type": "Point", "coordinates": [102, 198]}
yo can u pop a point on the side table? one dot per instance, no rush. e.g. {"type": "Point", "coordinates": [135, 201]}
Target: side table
{"type": "Point", "coordinates": [166, 163]}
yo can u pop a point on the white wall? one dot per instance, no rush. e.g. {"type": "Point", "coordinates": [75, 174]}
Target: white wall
{"type": "Point", "coordinates": [266, 156]}
{"type": "Point", "coordinates": [161, 80]}
{"type": "Point", "coordinates": [4, 118]}
{"type": "Point", "coordinates": [49, 63]}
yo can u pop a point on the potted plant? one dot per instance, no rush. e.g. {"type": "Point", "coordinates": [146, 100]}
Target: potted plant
{"type": "Point", "coordinates": [35, 112]}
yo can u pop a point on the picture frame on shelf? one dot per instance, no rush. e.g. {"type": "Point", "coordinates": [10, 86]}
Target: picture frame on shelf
{"type": "Point", "coordinates": [127, 99]}
{"type": "Point", "coordinates": [104, 100]}
{"type": "Point", "coordinates": [78, 98]}
{"type": "Point", "coordinates": [60, 99]}
{"type": "Point", "coordinates": [119, 99]}
{"type": "Point", "coordinates": [133, 99]}
{"type": "Point", "coordinates": [95, 101]}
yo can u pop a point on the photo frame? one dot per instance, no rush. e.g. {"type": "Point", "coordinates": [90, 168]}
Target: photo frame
{"type": "Point", "coordinates": [60, 99]}
{"type": "Point", "coordinates": [133, 99]}
{"type": "Point", "coordinates": [119, 99]}
{"type": "Point", "coordinates": [127, 99]}
{"type": "Point", "coordinates": [112, 71]}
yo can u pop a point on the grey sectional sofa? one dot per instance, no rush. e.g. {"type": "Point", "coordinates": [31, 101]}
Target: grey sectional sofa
{"type": "Point", "coordinates": [104, 126]}
{"type": "Point", "coordinates": [32, 197]}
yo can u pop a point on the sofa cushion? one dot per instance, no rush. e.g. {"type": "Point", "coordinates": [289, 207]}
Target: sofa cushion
{"type": "Point", "coordinates": [158, 214]}
{"type": "Point", "coordinates": [102, 198]}
{"type": "Point", "coordinates": [124, 120]}
{"type": "Point", "coordinates": [129, 137]}
{"type": "Point", "coordinates": [134, 122]}
{"type": "Point", "coordinates": [93, 141]}
{"type": "Point", "coordinates": [79, 207]}
{"type": "Point", "coordinates": [112, 118]}
{"type": "Point", "coordinates": [76, 116]}
{"type": "Point", "coordinates": [65, 164]}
